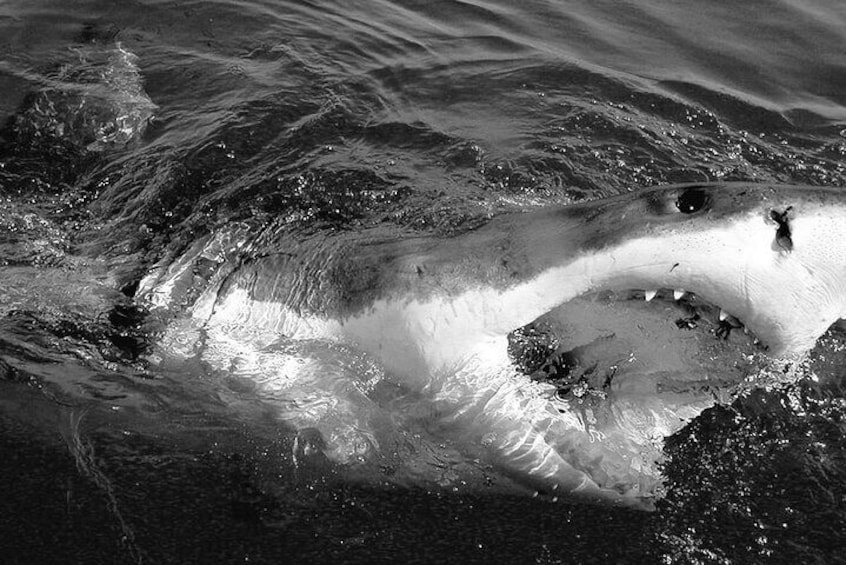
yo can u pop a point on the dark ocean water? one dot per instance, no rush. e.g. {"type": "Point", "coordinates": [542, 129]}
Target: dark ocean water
{"type": "Point", "coordinates": [263, 125]}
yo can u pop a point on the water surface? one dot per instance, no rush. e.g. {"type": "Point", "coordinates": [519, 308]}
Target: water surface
{"type": "Point", "coordinates": [277, 124]}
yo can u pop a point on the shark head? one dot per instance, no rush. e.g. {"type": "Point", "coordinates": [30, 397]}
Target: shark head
{"type": "Point", "coordinates": [772, 257]}
{"type": "Point", "coordinates": [436, 313]}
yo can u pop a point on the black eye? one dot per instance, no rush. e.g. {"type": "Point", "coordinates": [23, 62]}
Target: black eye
{"type": "Point", "coordinates": [691, 200]}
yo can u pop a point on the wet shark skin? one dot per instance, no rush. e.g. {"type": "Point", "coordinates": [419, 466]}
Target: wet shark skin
{"type": "Point", "coordinates": [436, 312]}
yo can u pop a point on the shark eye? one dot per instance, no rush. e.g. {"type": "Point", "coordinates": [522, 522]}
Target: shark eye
{"type": "Point", "coordinates": [691, 200]}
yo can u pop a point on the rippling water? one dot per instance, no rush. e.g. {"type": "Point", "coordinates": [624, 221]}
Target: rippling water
{"type": "Point", "coordinates": [274, 126]}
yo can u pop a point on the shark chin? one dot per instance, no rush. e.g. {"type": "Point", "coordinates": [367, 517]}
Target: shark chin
{"type": "Point", "coordinates": [586, 411]}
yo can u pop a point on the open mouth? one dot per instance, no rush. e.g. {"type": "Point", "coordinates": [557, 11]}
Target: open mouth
{"type": "Point", "coordinates": [595, 345]}
{"type": "Point", "coordinates": [630, 372]}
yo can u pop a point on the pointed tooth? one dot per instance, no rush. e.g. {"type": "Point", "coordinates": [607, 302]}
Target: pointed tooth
{"type": "Point", "coordinates": [678, 293]}
{"type": "Point", "coordinates": [649, 294]}
{"type": "Point", "coordinates": [723, 315]}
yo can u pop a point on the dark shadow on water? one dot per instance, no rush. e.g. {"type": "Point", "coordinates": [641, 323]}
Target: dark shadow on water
{"type": "Point", "coordinates": [215, 508]}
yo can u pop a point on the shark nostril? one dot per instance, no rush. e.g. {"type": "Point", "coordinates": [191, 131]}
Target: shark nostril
{"type": "Point", "coordinates": [784, 237]}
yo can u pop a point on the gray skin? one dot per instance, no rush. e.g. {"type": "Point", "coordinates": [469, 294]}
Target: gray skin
{"type": "Point", "coordinates": [342, 278]}
{"type": "Point", "coordinates": [436, 312]}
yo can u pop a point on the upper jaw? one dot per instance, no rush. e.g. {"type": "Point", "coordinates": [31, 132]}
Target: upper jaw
{"type": "Point", "coordinates": [785, 324]}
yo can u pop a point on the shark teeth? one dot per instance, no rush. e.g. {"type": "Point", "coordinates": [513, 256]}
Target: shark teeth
{"type": "Point", "coordinates": [650, 294]}
{"type": "Point", "coordinates": [680, 293]}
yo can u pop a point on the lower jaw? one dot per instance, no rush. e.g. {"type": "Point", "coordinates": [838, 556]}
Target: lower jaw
{"type": "Point", "coordinates": [634, 372]}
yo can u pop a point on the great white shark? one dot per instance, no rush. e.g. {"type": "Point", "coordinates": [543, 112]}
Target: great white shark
{"type": "Point", "coordinates": [436, 313]}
